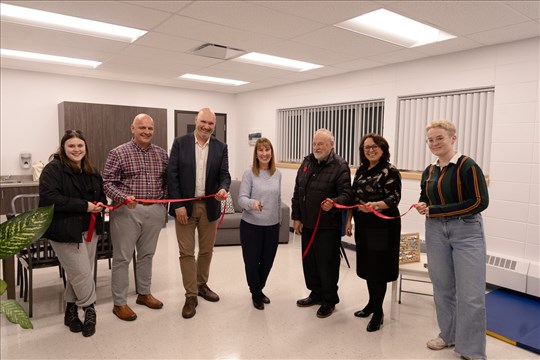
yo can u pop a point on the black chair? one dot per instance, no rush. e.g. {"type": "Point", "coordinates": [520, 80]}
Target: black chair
{"type": "Point", "coordinates": [37, 255]}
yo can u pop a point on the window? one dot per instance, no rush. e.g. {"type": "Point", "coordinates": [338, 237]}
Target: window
{"type": "Point", "coordinates": [348, 122]}
{"type": "Point", "coordinates": [470, 110]}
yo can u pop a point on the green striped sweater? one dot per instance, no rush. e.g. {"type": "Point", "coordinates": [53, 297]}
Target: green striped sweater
{"type": "Point", "coordinates": [455, 190]}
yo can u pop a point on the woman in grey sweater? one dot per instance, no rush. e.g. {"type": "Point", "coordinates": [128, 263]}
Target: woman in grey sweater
{"type": "Point", "coordinates": [260, 197]}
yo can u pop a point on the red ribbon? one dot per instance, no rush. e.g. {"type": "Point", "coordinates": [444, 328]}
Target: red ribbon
{"type": "Point", "coordinates": [92, 225]}
{"type": "Point", "coordinates": [339, 206]}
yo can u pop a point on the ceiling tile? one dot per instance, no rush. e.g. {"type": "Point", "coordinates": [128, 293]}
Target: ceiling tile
{"type": "Point", "coordinates": [240, 15]}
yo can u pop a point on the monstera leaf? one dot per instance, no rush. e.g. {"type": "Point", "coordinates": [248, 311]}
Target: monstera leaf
{"type": "Point", "coordinates": [18, 232]}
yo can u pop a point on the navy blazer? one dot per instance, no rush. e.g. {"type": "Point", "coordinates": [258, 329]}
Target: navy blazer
{"type": "Point", "coordinates": [181, 174]}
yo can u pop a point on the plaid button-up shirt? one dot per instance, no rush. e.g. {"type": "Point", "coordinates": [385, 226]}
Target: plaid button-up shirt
{"type": "Point", "coordinates": [131, 170]}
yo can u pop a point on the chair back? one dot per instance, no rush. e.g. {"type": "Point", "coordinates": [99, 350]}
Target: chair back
{"type": "Point", "coordinates": [24, 202]}
{"type": "Point", "coordinates": [40, 253]}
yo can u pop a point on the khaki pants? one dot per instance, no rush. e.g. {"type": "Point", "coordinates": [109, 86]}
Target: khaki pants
{"type": "Point", "coordinates": [195, 271]}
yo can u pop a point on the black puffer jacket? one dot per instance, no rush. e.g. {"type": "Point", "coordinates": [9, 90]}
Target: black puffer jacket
{"type": "Point", "coordinates": [317, 181]}
{"type": "Point", "coordinates": [59, 185]}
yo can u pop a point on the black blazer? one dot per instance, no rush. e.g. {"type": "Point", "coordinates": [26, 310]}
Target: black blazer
{"type": "Point", "coordinates": [181, 174]}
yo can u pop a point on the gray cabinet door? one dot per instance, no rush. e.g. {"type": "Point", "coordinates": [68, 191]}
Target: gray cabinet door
{"type": "Point", "coordinates": [107, 126]}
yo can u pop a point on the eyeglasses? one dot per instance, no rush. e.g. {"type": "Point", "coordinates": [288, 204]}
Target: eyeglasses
{"type": "Point", "coordinates": [79, 132]}
{"type": "Point", "coordinates": [371, 147]}
{"type": "Point", "coordinates": [438, 139]}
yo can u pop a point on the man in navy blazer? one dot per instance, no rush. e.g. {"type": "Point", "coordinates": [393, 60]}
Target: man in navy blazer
{"type": "Point", "coordinates": [198, 166]}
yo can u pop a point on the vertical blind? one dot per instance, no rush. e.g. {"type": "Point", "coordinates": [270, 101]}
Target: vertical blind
{"type": "Point", "coordinates": [347, 122]}
{"type": "Point", "coordinates": [472, 113]}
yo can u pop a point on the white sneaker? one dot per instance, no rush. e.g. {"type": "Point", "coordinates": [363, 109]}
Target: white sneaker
{"type": "Point", "coordinates": [437, 344]}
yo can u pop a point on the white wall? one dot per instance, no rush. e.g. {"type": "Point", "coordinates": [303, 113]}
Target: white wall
{"type": "Point", "coordinates": [29, 122]}
{"type": "Point", "coordinates": [512, 219]}
{"type": "Point", "coordinates": [29, 109]}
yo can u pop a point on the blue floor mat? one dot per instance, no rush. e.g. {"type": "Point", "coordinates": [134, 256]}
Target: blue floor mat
{"type": "Point", "coordinates": [515, 318]}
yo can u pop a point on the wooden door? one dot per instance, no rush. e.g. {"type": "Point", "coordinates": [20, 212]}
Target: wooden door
{"type": "Point", "coordinates": [184, 123]}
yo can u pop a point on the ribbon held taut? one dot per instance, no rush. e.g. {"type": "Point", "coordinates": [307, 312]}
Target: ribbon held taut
{"type": "Point", "coordinates": [339, 206]}
{"type": "Point", "coordinates": [92, 225]}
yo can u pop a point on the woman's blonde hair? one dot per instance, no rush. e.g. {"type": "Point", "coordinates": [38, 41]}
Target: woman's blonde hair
{"type": "Point", "coordinates": [442, 124]}
{"type": "Point", "coordinates": [263, 142]}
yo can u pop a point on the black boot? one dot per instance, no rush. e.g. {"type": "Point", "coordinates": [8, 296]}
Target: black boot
{"type": "Point", "coordinates": [71, 318]}
{"type": "Point", "coordinates": [89, 327]}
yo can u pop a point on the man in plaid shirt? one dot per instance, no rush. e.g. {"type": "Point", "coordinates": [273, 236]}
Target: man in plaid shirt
{"type": "Point", "coordinates": [135, 170]}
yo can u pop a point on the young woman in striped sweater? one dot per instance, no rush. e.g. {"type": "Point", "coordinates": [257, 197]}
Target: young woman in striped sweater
{"type": "Point", "coordinates": [453, 193]}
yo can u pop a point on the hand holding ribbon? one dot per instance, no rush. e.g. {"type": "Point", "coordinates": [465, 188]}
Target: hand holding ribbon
{"type": "Point", "coordinates": [325, 205]}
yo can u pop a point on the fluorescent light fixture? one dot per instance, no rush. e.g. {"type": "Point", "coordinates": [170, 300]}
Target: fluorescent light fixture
{"type": "Point", "coordinates": [276, 62]}
{"type": "Point", "coordinates": [214, 80]}
{"type": "Point", "coordinates": [49, 20]}
{"type": "Point", "coordinates": [48, 58]}
{"type": "Point", "coordinates": [394, 28]}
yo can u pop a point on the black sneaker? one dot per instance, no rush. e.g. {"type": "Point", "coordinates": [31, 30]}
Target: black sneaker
{"type": "Point", "coordinates": [71, 318]}
{"type": "Point", "coordinates": [89, 327]}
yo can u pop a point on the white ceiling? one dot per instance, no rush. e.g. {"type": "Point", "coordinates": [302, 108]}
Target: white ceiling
{"type": "Point", "coordinates": [300, 30]}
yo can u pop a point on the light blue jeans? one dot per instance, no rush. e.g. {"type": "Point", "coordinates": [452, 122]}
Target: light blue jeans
{"type": "Point", "coordinates": [456, 251]}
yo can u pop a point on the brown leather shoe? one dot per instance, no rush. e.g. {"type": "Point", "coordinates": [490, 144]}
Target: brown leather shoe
{"type": "Point", "coordinates": [149, 301]}
{"type": "Point", "coordinates": [207, 294]}
{"type": "Point", "coordinates": [188, 311]}
{"type": "Point", "coordinates": [124, 312]}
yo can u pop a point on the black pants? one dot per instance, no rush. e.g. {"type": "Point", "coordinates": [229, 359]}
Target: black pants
{"type": "Point", "coordinates": [259, 247]}
{"type": "Point", "coordinates": [321, 264]}
{"type": "Point", "coordinates": [376, 290]}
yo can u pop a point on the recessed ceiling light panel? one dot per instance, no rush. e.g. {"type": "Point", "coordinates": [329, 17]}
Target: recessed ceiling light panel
{"type": "Point", "coordinates": [213, 80]}
{"type": "Point", "coordinates": [276, 62]}
{"type": "Point", "coordinates": [49, 20]}
{"type": "Point", "coordinates": [394, 28]}
{"type": "Point", "coordinates": [24, 55]}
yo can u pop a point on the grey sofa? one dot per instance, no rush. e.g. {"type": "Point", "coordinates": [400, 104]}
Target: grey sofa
{"type": "Point", "coordinates": [228, 232]}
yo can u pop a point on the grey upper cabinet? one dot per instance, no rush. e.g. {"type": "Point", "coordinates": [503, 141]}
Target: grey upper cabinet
{"type": "Point", "coordinates": [107, 126]}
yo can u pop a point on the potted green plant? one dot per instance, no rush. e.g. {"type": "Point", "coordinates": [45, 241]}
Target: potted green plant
{"type": "Point", "coordinates": [16, 234]}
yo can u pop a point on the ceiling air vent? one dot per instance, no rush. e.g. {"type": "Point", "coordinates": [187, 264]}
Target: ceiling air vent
{"type": "Point", "coordinates": [218, 51]}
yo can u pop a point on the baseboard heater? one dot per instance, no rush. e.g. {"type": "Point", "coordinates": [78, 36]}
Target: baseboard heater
{"type": "Point", "coordinates": [513, 273]}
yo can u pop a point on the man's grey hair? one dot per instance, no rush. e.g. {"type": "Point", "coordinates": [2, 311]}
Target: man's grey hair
{"type": "Point", "coordinates": [325, 132]}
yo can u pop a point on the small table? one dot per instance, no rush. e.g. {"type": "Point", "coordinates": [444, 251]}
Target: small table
{"type": "Point", "coordinates": [417, 270]}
